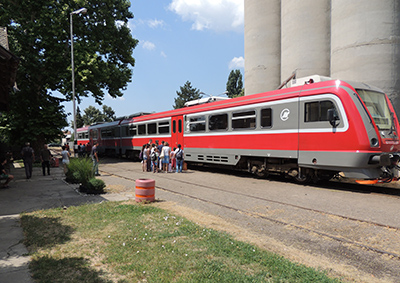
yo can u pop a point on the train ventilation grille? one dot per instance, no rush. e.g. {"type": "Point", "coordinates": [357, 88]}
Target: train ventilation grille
{"type": "Point", "coordinates": [212, 158]}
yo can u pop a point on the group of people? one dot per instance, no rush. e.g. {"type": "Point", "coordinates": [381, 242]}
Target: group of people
{"type": "Point", "coordinates": [157, 157]}
{"type": "Point", "coordinates": [28, 156]}
{"type": "Point", "coordinates": [84, 150]}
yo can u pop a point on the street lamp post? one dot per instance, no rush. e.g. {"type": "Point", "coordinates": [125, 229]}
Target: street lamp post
{"type": "Point", "coordinates": [82, 10]}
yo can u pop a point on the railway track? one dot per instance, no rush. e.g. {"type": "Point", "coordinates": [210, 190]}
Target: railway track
{"type": "Point", "coordinates": [338, 238]}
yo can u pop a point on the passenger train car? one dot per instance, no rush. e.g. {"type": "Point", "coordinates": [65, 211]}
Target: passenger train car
{"type": "Point", "coordinates": [312, 130]}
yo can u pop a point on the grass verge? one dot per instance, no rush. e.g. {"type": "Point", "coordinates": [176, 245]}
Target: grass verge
{"type": "Point", "coordinates": [128, 242]}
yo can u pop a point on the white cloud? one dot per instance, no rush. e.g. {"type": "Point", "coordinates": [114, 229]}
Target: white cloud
{"type": "Point", "coordinates": [155, 23]}
{"type": "Point", "coordinates": [148, 45]}
{"type": "Point", "coordinates": [236, 63]}
{"type": "Point", "coordinates": [218, 15]}
{"type": "Point", "coordinates": [163, 54]}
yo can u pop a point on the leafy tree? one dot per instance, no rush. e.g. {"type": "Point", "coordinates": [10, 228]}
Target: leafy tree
{"type": "Point", "coordinates": [93, 115]}
{"type": "Point", "coordinates": [108, 114]}
{"type": "Point", "coordinates": [39, 33]}
{"type": "Point", "coordinates": [234, 86]}
{"type": "Point", "coordinates": [79, 119]}
{"type": "Point", "coordinates": [187, 93]}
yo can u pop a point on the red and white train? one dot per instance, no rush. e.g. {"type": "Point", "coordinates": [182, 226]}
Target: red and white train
{"type": "Point", "coordinates": [311, 130]}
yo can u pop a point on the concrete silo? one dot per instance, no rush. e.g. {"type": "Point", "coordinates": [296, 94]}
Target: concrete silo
{"type": "Point", "coordinates": [365, 43]}
{"type": "Point", "coordinates": [262, 48]}
{"type": "Point", "coordinates": [305, 39]}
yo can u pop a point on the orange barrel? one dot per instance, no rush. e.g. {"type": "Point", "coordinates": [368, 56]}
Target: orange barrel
{"type": "Point", "coordinates": [56, 162]}
{"type": "Point", "coordinates": [145, 190]}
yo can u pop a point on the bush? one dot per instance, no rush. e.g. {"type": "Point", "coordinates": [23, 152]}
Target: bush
{"type": "Point", "coordinates": [96, 185]}
{"type": "Point", "coordinates": [80, 170]}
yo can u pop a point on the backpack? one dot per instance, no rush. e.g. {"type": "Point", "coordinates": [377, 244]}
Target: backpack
{"type": "Point", "coordinates": [179, 155]}
{"type": "Point", "coordinates": [154, 156]}
{"type": "Point", "coordinates": [141, 155]}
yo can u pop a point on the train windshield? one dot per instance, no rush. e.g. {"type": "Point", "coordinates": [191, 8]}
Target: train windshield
{"type": "Point", "coordinates": [377, 106]}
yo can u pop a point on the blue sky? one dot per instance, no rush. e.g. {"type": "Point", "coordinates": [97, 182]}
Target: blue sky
{"type": "Point", "coordinates": [199, 41]}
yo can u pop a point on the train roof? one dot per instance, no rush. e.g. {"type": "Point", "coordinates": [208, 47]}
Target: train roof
{"type": "Point", "coordinates": [85, 128]}
{"type": "Point", "coordinates": [106, 124]}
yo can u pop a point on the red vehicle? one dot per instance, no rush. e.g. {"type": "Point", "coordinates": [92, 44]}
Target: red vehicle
{"type": "Point", "coordinates": [309, 131]}
{"type": "Point", "coordinates": [83, 135]}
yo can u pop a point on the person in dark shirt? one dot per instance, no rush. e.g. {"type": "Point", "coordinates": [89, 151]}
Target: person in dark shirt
{"type": "Point", "coordinates": [45, 156]}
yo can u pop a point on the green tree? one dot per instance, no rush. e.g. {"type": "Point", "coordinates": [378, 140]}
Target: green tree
{"type": "Point", "coordinates": [108, 114]}
{"type": "Point", "coordinates": [186, 93]}
{"type": "Point", "coordinates": [39, 33]}
{"type": "Point", "coordinates": [93, 115]}
{"type": "Point", "coordinates": [79, 119]}
{"type": "Point", "coordinates": [234, 86]}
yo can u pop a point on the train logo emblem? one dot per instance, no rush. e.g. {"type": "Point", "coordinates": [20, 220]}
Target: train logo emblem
{"type": "Point", "coordinates": [285, 114]}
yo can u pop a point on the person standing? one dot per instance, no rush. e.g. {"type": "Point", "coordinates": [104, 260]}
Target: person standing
{"type": "Point", "coordinates": [28, 155]}
{"type": "Point", "coordinates": [95, 158]}
{"type": "Point", "coordinates": [45, 156]}
{"type": "Point", "coordinates": [166, 153]}
{"type": "Point", "coordinates": [179, 156]}
{"type": "Point", "coordinates": [65, 158]}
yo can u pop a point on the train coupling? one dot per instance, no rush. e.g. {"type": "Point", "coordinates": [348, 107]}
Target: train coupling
{"type": "Point", "coordinates": [381, 159]}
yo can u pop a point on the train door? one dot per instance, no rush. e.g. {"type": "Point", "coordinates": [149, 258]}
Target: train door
{"type": "Point", "coordinates": [177, 131]}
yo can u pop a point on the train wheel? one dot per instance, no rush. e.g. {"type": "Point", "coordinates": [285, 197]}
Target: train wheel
{"type": "Point", "coordinates": [303, 177]}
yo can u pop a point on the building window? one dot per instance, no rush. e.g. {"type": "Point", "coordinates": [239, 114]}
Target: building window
{"type": "Point", "coordinates": [218, 122]}
{"type": "Point", "coordinates": [266, 118]}
{"type": "Point", "coordinates": [317, 111]}
{"type": "Point", "coordinates": [244, 120]}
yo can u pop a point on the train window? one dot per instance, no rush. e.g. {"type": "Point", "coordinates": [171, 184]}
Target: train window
{"type": "Point", "coordinates": [106, 133]}
{"type": "Point", "coordinates": [163, 127]}
{"type": "Point", "coordinates": [266, 118]}
{"type": "Point", "coordinates": [124, 131]}
{"type": "Point", "coordinates": [197, 124]}
{"type": "Point", "coordinates": [317, 111]}
{"type": "Point", "coordinates": [152, 128]}
{"type": "Point", "coordinates": [142, 129]}
{"type": "Point", "coordinates": [218, 122]}
{"type": "Point", "coordinates": [132, 130]}
{"type": "Point", "coordinates": [244, 120]}
{"type": "Point", "coordinates": [174, 127]}
{"type": "Point", "coordinates": [180, 126]}
{"type": "Point", "coordinates": [86, 135]}
{"type": "Point", "coordinates": [116, 132]}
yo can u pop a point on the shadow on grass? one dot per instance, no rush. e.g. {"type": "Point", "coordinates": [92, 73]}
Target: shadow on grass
{"type": "Point", "coordinates": [44, 232]}
{"type": "Point", "coordinates": [75, 269]}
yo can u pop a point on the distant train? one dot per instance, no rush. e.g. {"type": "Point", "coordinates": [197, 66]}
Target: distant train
{"type": "Point", "coordinates": [310, 131]}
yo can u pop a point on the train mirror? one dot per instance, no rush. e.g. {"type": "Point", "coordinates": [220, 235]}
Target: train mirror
{"type": "Point", "coordinates": [333, 117]}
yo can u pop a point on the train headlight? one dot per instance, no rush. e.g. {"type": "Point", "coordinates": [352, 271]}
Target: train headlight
{"type": "Point", "coordinates": [374, 142]}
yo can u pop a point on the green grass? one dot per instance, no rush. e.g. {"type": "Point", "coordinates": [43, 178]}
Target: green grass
{"type": "Point", "coordinates": [117, 242]}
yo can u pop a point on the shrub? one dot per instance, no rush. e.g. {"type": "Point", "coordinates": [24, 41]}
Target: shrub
{"type": "Point", "coordinates": [96, 185]}
{"type": "Point", "coordinates": [80, 170]}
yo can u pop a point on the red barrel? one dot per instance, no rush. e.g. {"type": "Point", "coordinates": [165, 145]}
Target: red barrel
{"type": "Point", "coordinates": [145, 190]}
